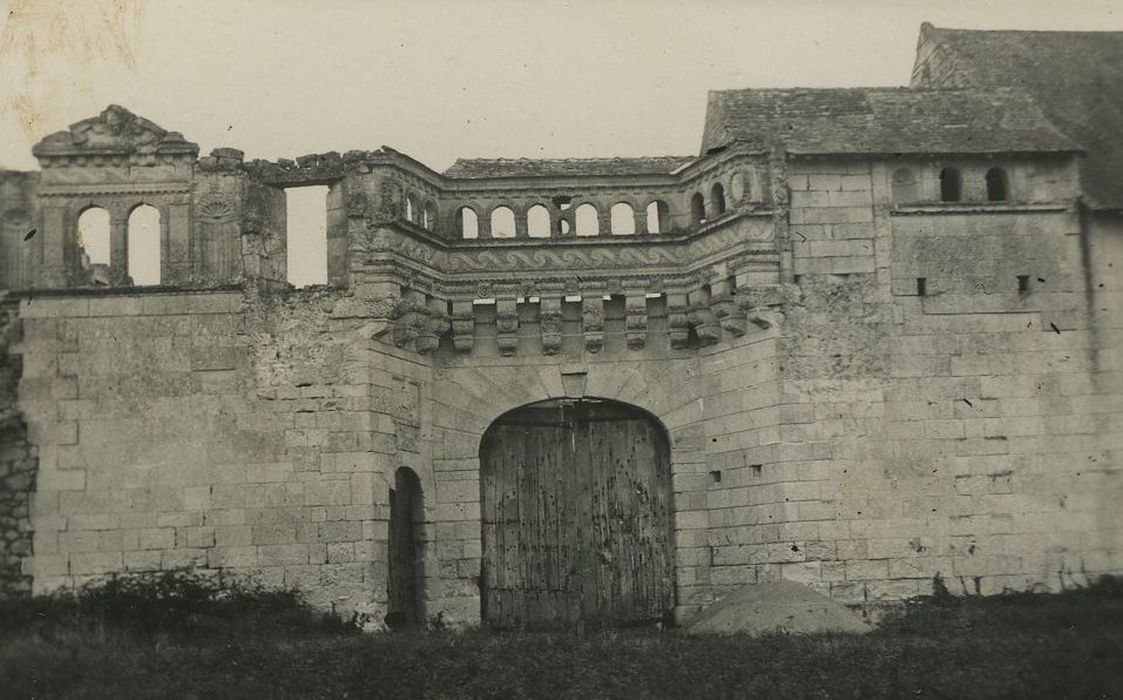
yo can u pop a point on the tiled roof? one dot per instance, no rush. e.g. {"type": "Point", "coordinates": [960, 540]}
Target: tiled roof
{"type": "Point", "coordinates": [478, 168]}
{"type": "Point", "coordinates": [880, 120]}
{"type": "Point", "coordinates": [1076, 77]}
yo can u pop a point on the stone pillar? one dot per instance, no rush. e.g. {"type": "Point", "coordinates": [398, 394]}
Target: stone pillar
{"type": "Point", "coordinates": [175, 245]}
{"type": "Point", "coordinates": [119, 246]}
{"type": "Point", "coordinates": [520, 223]}
{"type": "Point", "coordinates": [55, 244]}
{"type": "Point", "coordinates": [483, 224]}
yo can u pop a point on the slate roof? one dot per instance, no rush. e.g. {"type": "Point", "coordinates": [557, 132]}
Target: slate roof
{"type": "Point", "coordinates": [479, 168]}
{"type": "Point", "coordinates": [880, 120]}
{"type": "Point", "coordinates": [1076, 78]}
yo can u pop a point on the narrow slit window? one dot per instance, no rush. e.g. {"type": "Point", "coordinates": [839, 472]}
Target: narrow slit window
{"type": "Point", "coordinates": [921, 286]}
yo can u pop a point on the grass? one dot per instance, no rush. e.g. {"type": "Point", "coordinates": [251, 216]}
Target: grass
{"type": "Point", "coordinates": [178, 636]}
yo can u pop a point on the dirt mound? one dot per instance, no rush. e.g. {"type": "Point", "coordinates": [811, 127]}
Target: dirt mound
{"type": "Point", "coordinates": [782, 606]}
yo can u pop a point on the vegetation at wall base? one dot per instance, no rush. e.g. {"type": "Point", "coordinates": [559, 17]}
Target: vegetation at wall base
{"type": "Point", "coordinates": [182, 635]}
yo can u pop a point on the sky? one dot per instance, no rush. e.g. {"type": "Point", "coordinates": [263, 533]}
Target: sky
{"type": "Point", "coordinates": [447, 79]}
{"type": "Point", "coordinates": [441, 79]}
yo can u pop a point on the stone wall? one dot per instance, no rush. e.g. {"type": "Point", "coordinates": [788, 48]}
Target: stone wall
{"type": "Point", "coordinates": [18, 461]}
{"type": "Point", "coordinates": [207, 430]}
{"type": "Point", "coordinates": [955, 434]}
{"type": "Point", "coordinates": [863, 436]}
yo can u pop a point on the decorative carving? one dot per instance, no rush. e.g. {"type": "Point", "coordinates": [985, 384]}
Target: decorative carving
{"type": "Point", "coordinates": [592, 322]}
{"type": "Point", "coordinates": [704, 322]}
{"type": "Point", "coordinates": [214, 209]}
{"type": "Point", "coordinates": [390, 208]}
{"type": "Point", "coordinates": [463, 326]}
{"type": "Point", "coordinates": [635, 318]}
{"type": "Point", "coordinates": [725, 309]}
{"type": "Point", "coordinates": [678, 327]}
{"type": "Point", "coordinates": [115, 132]}
{"type": "Point", "coordinates": [356, 204]}
{"type": "Point", "coordinates": [507, 326]}
{"type": "Point", "coordinates": [550, 324]}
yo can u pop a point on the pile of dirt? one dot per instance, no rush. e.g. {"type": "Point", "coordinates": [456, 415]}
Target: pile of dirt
{"type": "Point", "coordinates": [782, 606]}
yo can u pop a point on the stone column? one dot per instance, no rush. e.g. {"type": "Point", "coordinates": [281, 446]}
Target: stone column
{"type": "Point", "coordinates": [118, 246]}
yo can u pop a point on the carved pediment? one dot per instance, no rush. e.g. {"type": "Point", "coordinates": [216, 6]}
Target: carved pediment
{"type": "Point", "coordinates": [116, 131]}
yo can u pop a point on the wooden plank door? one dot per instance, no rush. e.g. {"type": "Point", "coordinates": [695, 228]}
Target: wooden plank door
{"type": "Point", "coordinates": [577, 518]}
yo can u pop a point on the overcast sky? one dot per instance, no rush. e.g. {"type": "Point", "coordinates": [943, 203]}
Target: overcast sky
{"type": "Point", "coordinates": [438, 80]}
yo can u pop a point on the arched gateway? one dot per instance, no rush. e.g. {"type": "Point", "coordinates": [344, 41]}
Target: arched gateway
{"type": "Point", "coordinates": [577, 516]}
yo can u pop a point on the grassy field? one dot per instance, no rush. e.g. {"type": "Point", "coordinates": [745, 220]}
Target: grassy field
{"type": "Point", "coordinates": [177, 638]}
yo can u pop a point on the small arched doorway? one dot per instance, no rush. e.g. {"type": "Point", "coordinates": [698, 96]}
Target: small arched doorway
{"type": "Point", "coordinates": [577, 517]}
{"type": "Point", "coordinates": [405, 582]}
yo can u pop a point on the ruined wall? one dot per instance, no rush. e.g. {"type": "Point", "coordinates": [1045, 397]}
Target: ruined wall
{"type": "Point", "coordinates": [18, 460]}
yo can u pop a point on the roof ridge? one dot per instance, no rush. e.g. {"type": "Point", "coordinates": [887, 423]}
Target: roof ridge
{"type": "Point", "coordinates": [1101, 32]}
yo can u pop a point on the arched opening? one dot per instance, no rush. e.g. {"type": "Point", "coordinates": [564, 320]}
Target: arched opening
{"type": "Point", "coordinates": [658, 217]}
{"type": "Point", "coordinates": [997, 185]}
{"type": "Point", "coordinates": [413, 211]}
{"type": "Point", "coordinates": [429, 217]}
{"type": "Point", "coordinates": [698, 208]}
{"type": "Point", "coordinates": [144, 245]}
{"type": "Point", "coordinates": [405, 581]}
{"type": "Point", "coordinates": [93, 242]}
{"type": "Point", "coordinates": [577, 516]}
{"type": "Point", "coordinates": [587, 220]}
{"type": "Point", "coordinates": [623, 219]}
{"type": "Point", "coordinates": [717, 198]}
{"type": "Point", "coordinates": [538, 222]}
{"type": "Point", "coordinates": [502, 223]}
{"type": "Point", "coordinates": [950, 185]}
{"type": "Point", "coordinates": [904, 186]}
{"type": "Point", "coordinates": [468, 222]}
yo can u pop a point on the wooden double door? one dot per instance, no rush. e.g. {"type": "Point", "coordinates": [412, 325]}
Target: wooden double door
{"type": "Point", "coordinates": [577, 517]}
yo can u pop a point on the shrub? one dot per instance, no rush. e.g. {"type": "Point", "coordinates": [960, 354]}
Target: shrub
{"type": "Point", "coordinates": [170, 602]}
